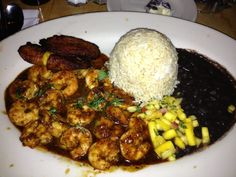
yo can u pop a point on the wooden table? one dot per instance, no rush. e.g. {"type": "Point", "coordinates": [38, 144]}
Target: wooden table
{"type": "Point", "coordinates": [223, 21]}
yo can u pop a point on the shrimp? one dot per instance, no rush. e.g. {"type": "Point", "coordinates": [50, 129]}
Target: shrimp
{"type": "Point", "coordinates": [39, 74]}
{"type": "Point", "coordinates": [66, 81]}
{"type": "Point", "coordinates": [79, 116]}
{"type": "Point", "coordinates": [23, 89]}
{"type": "Point", "coordinates": [117, 115]}
{"type": "Point", "coordinates": [55, 127]}
{"type": "Point", "coordinates": [105, 127]}
{"type": "Point", "coordinates": [35, 133]}
{"type": "Point", "coordinates": [52, 100]}
{"type": "Point", "coordinates": [91, 78]}
{"type": "Point", "coordinates": [22, 112]}
{"type": "Point", "coordinates": [137, 124]}
{"type": "Point", "coordinates": [134, 143]}
{"type": "Point", "coordinates": [103, 154]}
{"type": "Point", "coordinates": [76, 140]}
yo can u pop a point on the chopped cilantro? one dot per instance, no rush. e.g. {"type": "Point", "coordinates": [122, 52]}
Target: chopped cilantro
{"type": "Point", "coordinates": [182, 125]}
{"type": "Point", "coordinates": [53, 111]}
{"type": "Point", "coordinates": [96, 102]}
{"type": "Point", "coordinates": [19, 93]}
{"type": "Point", "coordinates": [156, 132]}
{"type": "Point", "coordinates": [102, 75]}
{"type": "Point", "coordinates": [42, 90]}
{"type": "Point", "coordinates": [82, 129]}
{"type": "Point", "coordinates": [79, 104]}
{"type": "Point", "coordinates": [116, 102]}
{"type": "Point", "coordinates": [139, 108]}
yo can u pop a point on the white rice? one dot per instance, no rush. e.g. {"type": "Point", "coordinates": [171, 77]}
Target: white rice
{"type": "Point", "coordinates": [144, 64]}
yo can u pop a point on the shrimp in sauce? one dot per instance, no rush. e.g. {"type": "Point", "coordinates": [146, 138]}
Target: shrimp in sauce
{"type": "Point", "coordinates": [103, 154]}
{"type": "Point", "coordinates": [77, 115]}
{"type": "Point", "coordinates": [25, 90]}
{"type": "Point", "coordinates": [106, 128]}
{"type": "Point", "coordinates": [134, 143]}
{"type": "Point", "coordinates": [66, 81]}
{"type": "Point", "coordinates": [21, 112]}
{"type": "Point", "coordinates": [77, 141]}
{"type": "Point", "coordinates": [39, 74]}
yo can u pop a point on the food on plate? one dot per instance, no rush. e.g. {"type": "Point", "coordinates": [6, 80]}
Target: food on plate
{"type": "Point", "coordinates": [69, 46]}
{"type": "Point", "coordinates": [160, 7]}
{"type": "Point", "coordinates": [62, 53]}
{"type": "Point", "coordinates": [144, 64]}
{"type": "Point", "coordinates": [35, 54]}
{"type": "Point", "coordinates": [80, 113]}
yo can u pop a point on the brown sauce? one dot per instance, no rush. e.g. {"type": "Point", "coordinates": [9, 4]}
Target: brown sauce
{"type": "Point", "coordinates": [207, 90]}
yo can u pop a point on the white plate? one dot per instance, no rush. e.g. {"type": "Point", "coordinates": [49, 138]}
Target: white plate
{"type": "Point", "coordinates": [104, 29]}
{"type": "Point", "coordinates": [184, 9]}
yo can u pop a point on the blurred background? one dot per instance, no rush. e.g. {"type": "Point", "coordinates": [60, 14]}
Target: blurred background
{"type": "Point", "coordinates": [19, 14]}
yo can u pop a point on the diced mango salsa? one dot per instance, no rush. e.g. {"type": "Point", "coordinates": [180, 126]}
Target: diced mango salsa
{"type": "Point", "coordinates": [170, 129]}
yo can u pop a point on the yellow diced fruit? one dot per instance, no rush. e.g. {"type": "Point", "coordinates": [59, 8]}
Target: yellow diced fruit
{"type": "Point", "coordinates": [156, 104]}
{"type": "Point", "coordinates": [178, 142]}
{"type": "Point", "coordinates": [155, 138]}
{"type": "Point", "coordinates": [153, 105]}
{"type": "Point", "coordinates": [193, 117]}
{"type": "Point", "coordinates": [170, 100]}
{"type": "Point", "coordinates": [132, 108]}
{"type": "Point", "coordinates": [158, 141]}
{"type": "Point", "coordinates": [169, 134]}
{"type": "Point", "coordinates": [165, 150]}
{"type": "Point", "coordinates": [162, 125]}
{"type": "Point", "coordinates": [178, 101]}
{"type": "Point", "coordinates": [166, 121]}
{"type": "Point", "coordinates": [149, 112]}
{"type": "Point", "coordinates": [184, 139]}
{"type": "Point", "coordinates": [181, 115]}
{"type": "Point", "coordinates": [150, 106]}
{"type": "Point", "coordinates": [195, 123]}
{"type": "Point", "coordinates": [198, 141]}
{"type": "Point", "coordinates": [182, 136]}
{"type": "Point", "coordinates": [154, 115]}
{"type": "Point", "coordinates": [141, 115]}
{"type": "Point", "coordinates": [188, 120]}
{"type": "Point", "coordinates": [153, 132]}
{"type": "Point", "coordinates": [205, 135]}
{"type": "Point", "coordinates": [170, 116]}
{"type": "Point", "coordinates": [231, 108]}
{"type": "Point", "coordinates": [190, 135]}
{"type": "Point", "coordinates": [172, 158]}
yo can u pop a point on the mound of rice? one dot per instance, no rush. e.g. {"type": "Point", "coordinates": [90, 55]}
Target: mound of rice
{"type": "Point", "coordinates": [144, 64]}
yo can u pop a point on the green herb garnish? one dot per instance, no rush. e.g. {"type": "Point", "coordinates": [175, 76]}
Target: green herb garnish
{"type": "Point", "coordinates": [116, 101]}
{"type": "Point", "coordinates": [182, 125]}
{"type": "Point", "coordinates": [53, 111]}
{"type": "Point", "coordinates": [96, 102]}
{"type": "Point", "coordinates": [42, 90]}
{"type": "Point", "coordinates": [156, 132]}
{"type": "Point", "coordinates": [82, 129]}
{"type": "Point", "coordinates": [19, 93]}
{"type": "Point", "coordinates": [102, 75]}
{"type": "Point", "coordinates": [79, 104]}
